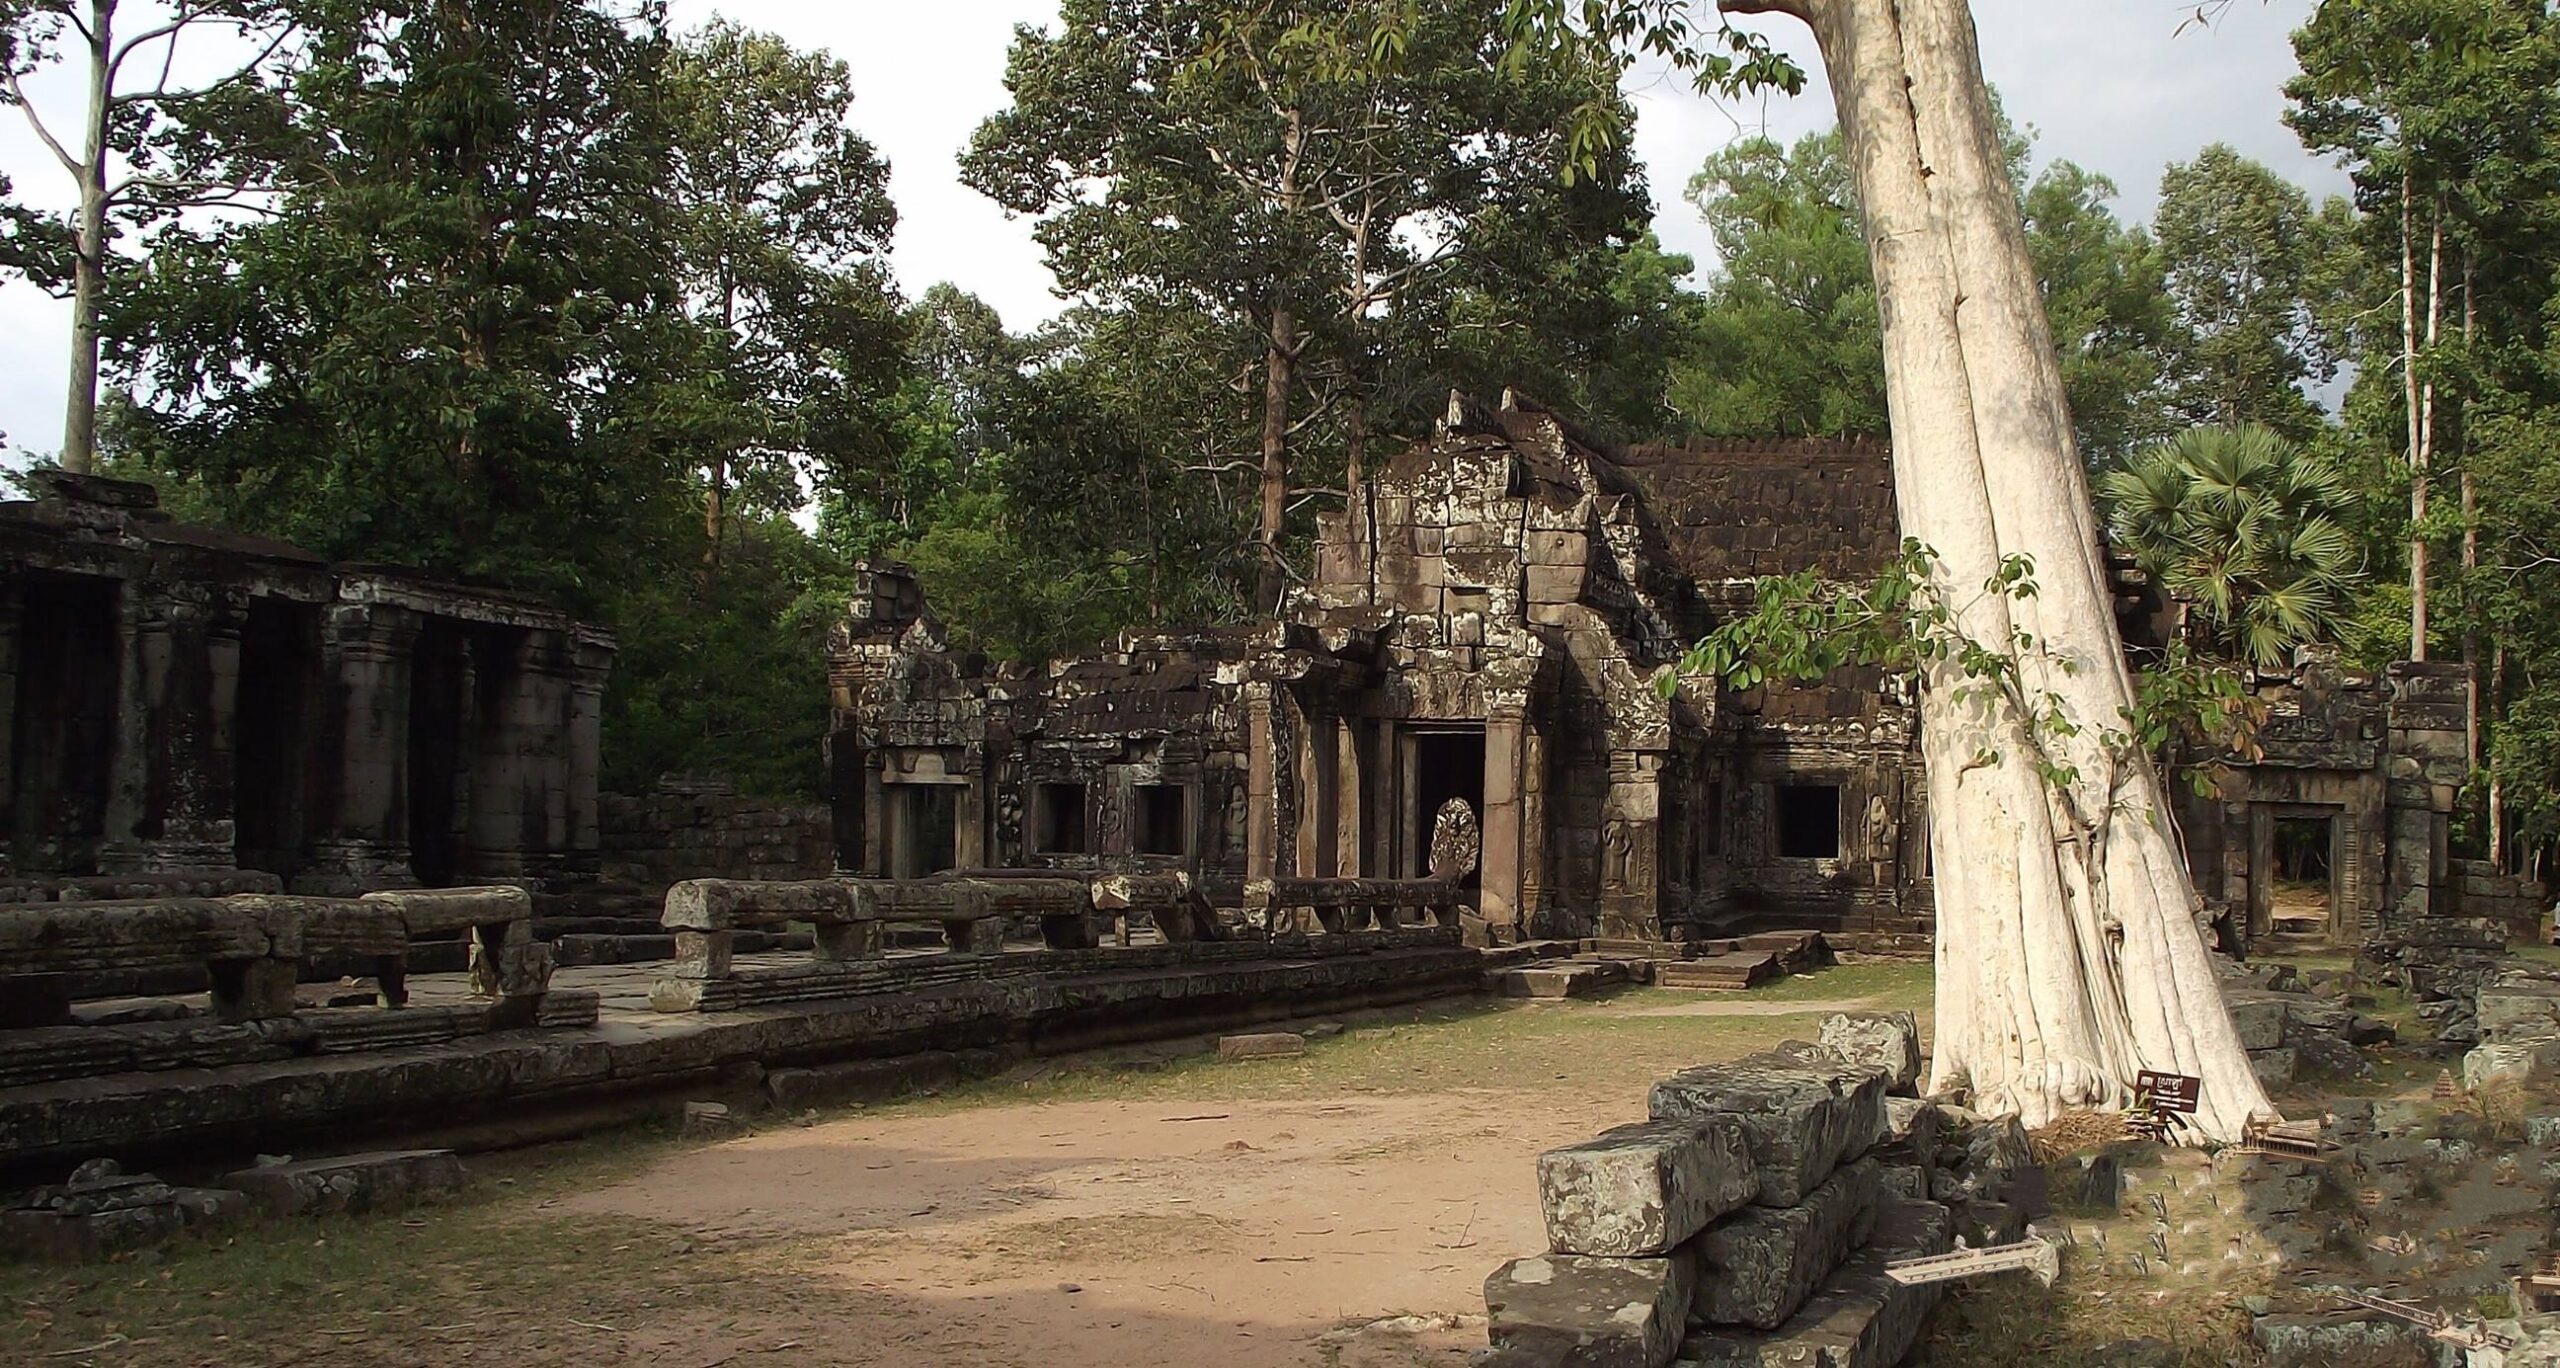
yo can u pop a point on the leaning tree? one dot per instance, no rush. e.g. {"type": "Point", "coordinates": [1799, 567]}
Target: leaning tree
{"type": "Point", "coordinates": [2070, 956]}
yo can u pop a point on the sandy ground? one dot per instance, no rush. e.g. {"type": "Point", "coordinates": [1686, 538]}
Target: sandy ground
{"type": "Point", "coordinates": [1352, 1230]}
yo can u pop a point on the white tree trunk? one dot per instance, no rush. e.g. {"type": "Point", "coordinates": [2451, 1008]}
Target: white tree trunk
{"type": "Point", "coordinates": [2069, 954]}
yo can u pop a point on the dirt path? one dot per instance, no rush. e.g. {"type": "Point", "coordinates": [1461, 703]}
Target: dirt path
{"type": "Point", "coordinates": [1086, 1234]}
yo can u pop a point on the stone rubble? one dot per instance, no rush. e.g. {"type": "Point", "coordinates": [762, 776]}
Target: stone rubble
{"type": "Point", "coordinates": [1820, 1182]}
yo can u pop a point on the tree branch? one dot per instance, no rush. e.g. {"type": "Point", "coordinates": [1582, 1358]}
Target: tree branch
{"type": "Point", "coordinates": [9, 75]}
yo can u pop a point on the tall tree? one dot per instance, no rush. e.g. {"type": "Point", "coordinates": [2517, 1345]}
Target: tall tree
{"type": "Point", "coordinates": [783, 223]}
{"type": "Point", "coordinates": [454, 339]}
{"type": "Point", "coordinates": [1311, 169]}
{"type": "Point", "coordinates": [2242, 248]}
{"type": "Point", "coordinates": [134, 149]}
{"type": "Point", "coordinates": [1789, 340]}
{"type": "Point", "coordinates": [2068, 952]}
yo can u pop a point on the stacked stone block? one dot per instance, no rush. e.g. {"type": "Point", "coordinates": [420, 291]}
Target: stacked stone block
{"type": "Point", "coordinates": [1748, 1222]}
{"type": "Point", "coordinates": [2519, 1026]}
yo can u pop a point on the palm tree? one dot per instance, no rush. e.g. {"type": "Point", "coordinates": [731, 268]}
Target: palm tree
{"type": "Point", "coordinates": [2246, 528]}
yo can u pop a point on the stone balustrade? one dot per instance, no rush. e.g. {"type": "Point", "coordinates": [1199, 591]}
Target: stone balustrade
{"type": "Point", "coordinates": [1348, 904]}
{"type": "Point", "coordinates": [250, 947]}
{"type": "Point", "coordinates": [973, 908]}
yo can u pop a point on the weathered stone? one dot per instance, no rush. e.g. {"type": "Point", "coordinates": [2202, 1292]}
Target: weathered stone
{"type": "Point", "coordinates": [2330, 1057]}
{"type": "Point", "coordinates": [1263, 1045]}
{"type": "Point", "coordinates": [1639, 1191]}
{"type": "Point", "coordinates": [1590, 1313]}
{"type": "Point", "coordinates": [2275, 1068]}
{"type": "Point", "coordinates": [350, 1182]}
{"type": "Point", "coordinates": [2324, 1339]}
{"type": "Point", "coordinates": [1913, 1121]}
{"type": "Point", "coordinates": [1861, 1319]}
{"type": "Point", "coordinates": [1568, 980]}
{"type": "Point", "coordinates": [1889, 1041]}
{"type": "Point", "coordinates": [2259, 1017]}
{"type": "Point", "coordinates": [102, 1211]}
{"type": "Point", "coordinates": [2515, 1010]}
{"type": "Point", "coordinates": [1758, 1267]}
{"type": "Point", "coordinates": [2510, 1064]}
{"type": "Point", "coordinates": [1801, 1120]}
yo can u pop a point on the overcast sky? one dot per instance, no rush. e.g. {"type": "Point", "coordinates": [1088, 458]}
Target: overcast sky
{"type": "Point", "coordinates": [2111, 84]}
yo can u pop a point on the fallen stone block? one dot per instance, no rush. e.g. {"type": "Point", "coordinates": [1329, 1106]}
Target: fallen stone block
{"type": "Point", "coordinates": [1861, 1319]}
{"type": "Point", "coordinates": [349, 1182]}
{"type": "Point", "coordinates": [2514, 1010]}
{"type": "Point", "coordinates": [2275, 1068]}
{"type": "Point", "coordinates": [2258, 1016]}
{"type": "Point", "coordinates": [1580, 1312]}
{"type": "Point", "coordinates": [1913, 1121]}
{"type": "Point", "coordinates": [1758, 1267]}
{"type": "Point", "coordinates": [102, 1211]}
{"type": "Point", "coordinates": [1639, 1191]}
{"type": "Point", "coordinates": [1801, 1120]}
{"type": "Point", "coordinates": [1580, 978]}
{"type": "Point", "coordinates": [2512, 1063]}
{"type": "Point", "coordinates": [1262, 1045]}
{"type": "Point", "coordinates": [1889, 1041]}
{"type": "Point", "coordinates": [2329, 1057]}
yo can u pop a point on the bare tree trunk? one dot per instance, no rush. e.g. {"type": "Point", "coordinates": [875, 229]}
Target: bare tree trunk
{"type": "Point", "coordinates": [2411, 397]}
{"type": "Point", "coordinates": [89, 250]}
{"type": "Point", "coordinates": [2069, 953]}
{"type": "Point", "coordinates": [2497, 781]}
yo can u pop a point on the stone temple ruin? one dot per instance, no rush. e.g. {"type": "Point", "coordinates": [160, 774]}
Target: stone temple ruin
{"type": "Point", "coordinates": [1488, 624]}
{"type": "Point", "coordinates": [302, 855]}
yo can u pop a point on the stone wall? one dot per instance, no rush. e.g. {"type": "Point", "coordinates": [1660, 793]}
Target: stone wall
{"type": "Point", "coordinates": [712, 833]}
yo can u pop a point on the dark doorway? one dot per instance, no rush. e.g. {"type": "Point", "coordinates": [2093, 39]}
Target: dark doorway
{"type": "Point", "coordinates": [279, 654]}
{"type": "Point", "coordinates": [1164, 819]}
{"type": "Point", "coordinates": [1445, 765]}
{"type": "Point", "coordinates": [1059, 823]}
{"type": "Point", "coordinates": [439, 746]}
{"type": "Point", "coordinates": [63, 734]}
{"type": "Point", "coordinates": [924, 829]}
{"type": "Point", "coordinates": [2302, 875]}
{"type": "Point", "coordinates": [1808, 821]}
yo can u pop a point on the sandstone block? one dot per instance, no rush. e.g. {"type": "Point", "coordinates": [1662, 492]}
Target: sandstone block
{"type": "Point", "coordinates": [2275, 1068]}
{"type": "Point", "coordinates": [1581, 1312]}
{"type": "Point", "coordinates": [1860, 1319]}
{"type": "Point", "coordinates": [1262, 1045]}
{"type": "Point", "coordinates": [2259, 1016]}
{"type": "Point", "coordinates": [1758, 1267]}
{"type": "Point", "coordinates": [2511, 1063]}
{"type": "Point", "coordinates": [1913, 1121]}
{"type": "Point", "coordinates": [1639, 1191]}
{"type": "Point", "coordinates": [349, 1182]}
{"type": "Point", "coordinates": [1885, 1040]}
{"type": "Point", "coordinates": [2514, 1010]}
{"type": "Point", "coordinates": [1802, 1120]}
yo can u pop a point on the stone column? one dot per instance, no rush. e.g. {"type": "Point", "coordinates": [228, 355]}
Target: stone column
{"type": "Point", "coordinates": [591, 655]}
{"type": "Point", "coordinates": [502, 825]}
{"type": "Point", "coordinates": [9, 604]}
{"type": "Point", "coordinates": [173, 799]}
{"type": "Point", "coordinates": [1262, 790]}
{"type": "Point", "coordinates": [1349, 841]}
{"type": "Point", "coordinates": [1631, 849]}
{"type": "Point", "coordinates": [1499, 869]}
{"type": "Point", "coordinates": [360, 819]}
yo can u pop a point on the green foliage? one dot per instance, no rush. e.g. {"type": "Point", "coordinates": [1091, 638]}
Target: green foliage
{"type": "Point", "coordinates": [1012, 593]}
{"type": "Point", "coordinates": [1788, 340]}
{"type": "Point", "coordinates": [2247, 528]}
{"type": "Point", "coordinates": [2242, 248]}
{"type": "Point", "coordinates": [728, 679]}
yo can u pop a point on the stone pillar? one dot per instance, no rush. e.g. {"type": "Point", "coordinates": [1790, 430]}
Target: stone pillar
{"type": "Point", "coordinates": [1262, 788]}
{"type": "Point", "coordinates": [1533, 827]}
{"type": "Point", "coordinates": [503, 824]}
{"type": "Point", "coordinates": [173, 800]}
{"type": "Point", "coordinates": [1631, 849]}
{"type": "Point", "coordinates": [360, 818]}
{"type": "Point", "coordinates": [591, 663]}
{"type": "Point", "coordinates": [1500, 868]}
{"type": "Point", "coordinates": [2424, 763]}
{"type": "Point", "coordinates": [9, 605]}
{"type": "Point", "coordinates": [1349, 852]}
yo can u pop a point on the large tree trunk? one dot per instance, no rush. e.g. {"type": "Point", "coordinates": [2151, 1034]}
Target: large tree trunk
{"type": "Point", "coordinates": [89, 249]}
{"type": "Point", "coordinates": [2069, 953]}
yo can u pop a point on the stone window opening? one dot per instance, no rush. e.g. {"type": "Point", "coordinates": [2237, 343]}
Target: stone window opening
{"type": "Point", "coordinates": [1059, 820]}
{"type": "Point", "coordinates": [1164, 819]}
{"type": "Point", "coordinates": [924, 829]}
{"type": "Point", "coordinates": [1808, 821]}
